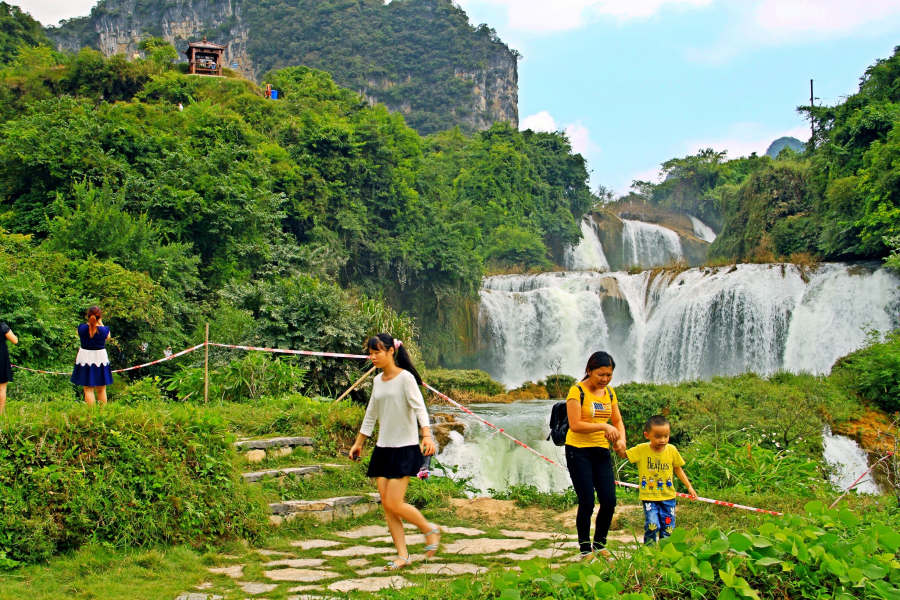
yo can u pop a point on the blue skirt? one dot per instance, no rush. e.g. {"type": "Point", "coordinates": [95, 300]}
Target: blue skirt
{"type": "Point", "coordinates": [92, 369]}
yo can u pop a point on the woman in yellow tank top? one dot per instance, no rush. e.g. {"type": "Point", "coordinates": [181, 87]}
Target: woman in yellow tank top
{"type": "Point", "coordinates": [593, 425]}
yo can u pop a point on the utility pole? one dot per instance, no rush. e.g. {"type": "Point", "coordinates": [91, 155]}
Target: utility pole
{"type": "Point", "coordinates": [812, 117]}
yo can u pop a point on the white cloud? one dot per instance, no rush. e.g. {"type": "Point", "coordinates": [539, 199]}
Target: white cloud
{"type": "Point", "coordinates": [560, 15]}
{"type": "Point", "coordinates": [579, 135]}
{"type": "Point", "coordinates": [580, 138]}
{"type": "Point", "coordinates": [821, 16]}
{"type": "Point", "coordinates": [51, 12]}
{"type": "Point", "coordinates": [542, 121]}
{"type": "Point", "coordinates": [742, 139]}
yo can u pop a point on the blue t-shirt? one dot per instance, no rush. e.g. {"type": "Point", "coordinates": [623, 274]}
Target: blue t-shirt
{"type": "Point", "coordinates": [98, 342]}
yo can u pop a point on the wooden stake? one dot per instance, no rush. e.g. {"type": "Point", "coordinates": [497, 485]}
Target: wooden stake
{"type": "Point", "coordinates": [359, 381]}
{"type": "Point", "coordinates": [206, 369]}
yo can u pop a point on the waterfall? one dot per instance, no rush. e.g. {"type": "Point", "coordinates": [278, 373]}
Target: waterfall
{"type": "Point", "coordinates": [702, 231]}
{"type": "Point", "coordinates": [648, 245]}
{"type": "Point", "coordinates": [588, 254]}
{"type": "Point", "coordinates": [848, 462]}
{"type": "Point", "coordinates": [679, 326]}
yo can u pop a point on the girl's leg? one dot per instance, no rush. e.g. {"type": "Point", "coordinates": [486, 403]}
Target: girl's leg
{"type": "Point", "coordinates": [393, 499]}
{"type": "Point", "coordinates": [89, 395]}
{"type": "Point", "coordinates": [579, 463]}
{"type": "Point", "coordinates": [2, 397]}
{"type": "Point", "coordinates": [101, 395]}
{"type": "Point", "coordinates": [605, 484]}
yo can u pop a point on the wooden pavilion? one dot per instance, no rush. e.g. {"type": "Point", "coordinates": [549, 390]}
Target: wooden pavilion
{"type": "Point", "coordinates": [205, 58]}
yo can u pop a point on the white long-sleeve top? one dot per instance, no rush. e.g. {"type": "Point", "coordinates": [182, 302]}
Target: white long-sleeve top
{"type": "Point", "coordinates": [396, 405]}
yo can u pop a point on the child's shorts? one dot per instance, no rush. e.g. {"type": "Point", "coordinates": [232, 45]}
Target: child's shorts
{"type": "Point", "coordinates": [659, 517]}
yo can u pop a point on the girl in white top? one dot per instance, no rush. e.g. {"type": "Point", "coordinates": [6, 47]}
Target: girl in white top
{"type": "Point", "coordinates": [397, 405]}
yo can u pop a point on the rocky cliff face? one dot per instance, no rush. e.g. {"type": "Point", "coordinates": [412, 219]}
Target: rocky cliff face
{"type": "Point", "coordinates": [255, 45]}
{"type": "Point", "coordinates": [117, 27]}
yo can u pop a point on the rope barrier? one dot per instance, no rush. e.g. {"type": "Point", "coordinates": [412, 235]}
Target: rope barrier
{"type": "Point", "coordinates": [620, 483]}
{"type": "Point", "coordinates": [853, 485]}
{"type": "Point", "coordinates": [154, 362]}
{"type": "Point", "coordinates": [303, 352]}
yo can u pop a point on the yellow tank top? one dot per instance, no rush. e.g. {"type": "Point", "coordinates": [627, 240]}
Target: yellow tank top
{"type": "Point", "coordinates": [595, 409]}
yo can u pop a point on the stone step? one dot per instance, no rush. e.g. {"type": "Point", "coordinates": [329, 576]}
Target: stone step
{"type": "Point", "coordinates": [279, 442]}
{"type": "Point", "coordinates": [326, 510]}
{"type": "Point", "coordinates": [290, 472]}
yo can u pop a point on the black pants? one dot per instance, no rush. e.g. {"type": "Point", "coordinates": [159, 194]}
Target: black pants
{"type": "Point", "coordinates": [591, 470]}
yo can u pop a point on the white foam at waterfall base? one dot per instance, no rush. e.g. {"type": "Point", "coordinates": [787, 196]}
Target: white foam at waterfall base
{"type": "Point", "coordinates": [848, 462]}
{"type": "Point", "coordinates": [588, 254]}
{"type": "Point", "coordinates": [648, 245]}
{"type": "Point", "coordinates": [493, 461]}
{"type": "Point", "coordinates": [702, 231]}
{"type": "Point", "coordinates": [694, 324]}
{"type": "Point", "coordinates": [561, 317]}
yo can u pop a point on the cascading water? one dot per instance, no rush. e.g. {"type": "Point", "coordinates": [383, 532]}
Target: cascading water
{"type": "Point", "coordinates": [702, 231]}
{"type": "Point", "coordinates": [677, 326]}
{"type": "Point", "coordinates": [848, 462]}
{"type": "Point", "coordinates": [493, 461]}
{"type": "Point", "coordinates": [588, 254]}
{"type": "Point", "coordinates": [648, 245]}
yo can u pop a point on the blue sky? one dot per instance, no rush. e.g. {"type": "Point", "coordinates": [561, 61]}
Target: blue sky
{"type": "Point", "coordinates": [636, 82]}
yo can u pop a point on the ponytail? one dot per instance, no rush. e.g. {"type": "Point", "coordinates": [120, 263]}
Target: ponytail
{"type": "Point", "coordinates": [93, 315]}
{"type": "Point", "coordinates": [384, 341]}
{"type": "Point", "coordinates": [597, 360]}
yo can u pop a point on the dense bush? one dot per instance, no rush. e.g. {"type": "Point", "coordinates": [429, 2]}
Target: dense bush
{"type": "Point", "coordinates": [477, 382]}
{"type": "Point", "coordinates": [121, 476]}
{"type": "Point", "coordinates": [873, 372]}
{"type": "Point", "coordinates": [828, 553]}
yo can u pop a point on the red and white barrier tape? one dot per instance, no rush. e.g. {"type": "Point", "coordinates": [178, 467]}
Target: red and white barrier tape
{"type": "Point", "coordinates": [853, 485]}
{"type": "Point", "coordinates": [155, 362]}
{"type": "Point", "coordinates": [621, 483]}
{"type": "Point", "coordinates": [303, 352]}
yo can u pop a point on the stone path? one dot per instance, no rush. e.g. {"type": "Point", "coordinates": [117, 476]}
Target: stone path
{"type": "Point", "coordinates": [323, 569]}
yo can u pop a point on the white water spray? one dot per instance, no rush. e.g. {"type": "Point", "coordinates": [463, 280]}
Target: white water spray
{"type": "Point", "coordinates": [648, 245]}
{"type": "Point", "coordinates": [702, 231]}
{"type": "Point", "coordinates": [588, 254]}
{"type": "Point", "coordinates": [680, 326]}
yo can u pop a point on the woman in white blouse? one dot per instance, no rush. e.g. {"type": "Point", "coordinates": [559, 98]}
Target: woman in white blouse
{"type": "Point", "coordinates": [397, 405]}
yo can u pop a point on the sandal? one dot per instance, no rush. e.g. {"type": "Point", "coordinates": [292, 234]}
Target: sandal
{"type": "Point", "coordinates": [393, 566]}
{"type": "Point", "coordinates": [605, 554]}
{"type": "Point", "coordinates": [432, 549]}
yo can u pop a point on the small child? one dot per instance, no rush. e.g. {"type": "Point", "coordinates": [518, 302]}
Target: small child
{"type": "Point", "coordinates": [657, 460]}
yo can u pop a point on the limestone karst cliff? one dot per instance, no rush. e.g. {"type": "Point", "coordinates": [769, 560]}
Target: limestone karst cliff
{"type": "Point", "coordinates": [419, 57]}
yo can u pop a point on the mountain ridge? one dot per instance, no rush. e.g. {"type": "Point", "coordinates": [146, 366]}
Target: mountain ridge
{"type": "Point", "coordinates": [419, 57]}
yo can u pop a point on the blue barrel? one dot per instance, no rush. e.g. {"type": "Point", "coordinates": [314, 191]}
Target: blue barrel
{"type": "Point", "coordinates": [274, 94]}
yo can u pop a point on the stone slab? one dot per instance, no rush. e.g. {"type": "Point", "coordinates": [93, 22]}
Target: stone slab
{"type": "Point", "coordinates": [274, 443]}
{"type": "Point", "coordinates": [545, 553]}
{"type": "Point", "coordinates": [309, 544]}
{"type": "Point", "coordinates": [358, 551]}
{"type": "Point", "coordinates": [357, 562]}
{"type": "Point", "coordinates": [255, 456]}
{"type": "Point", "coordinates": [562, 545]}
{"type": "Point", "coordinates": [196, 596]}
{"type": "Point", "coordinates": [265, 552]}
{"type": "Point", "coordinates": [234, 571]}
{"type": "Point", "coordinates": [484, 546]}
{"type": "Point", "coordinates": [292, 472]}
{"type": "Point", "coordinates": [369, 584]}
{"type": "Point", "coordinates": [411, 540]}
{"type": "Point", "coordinates": [253, 587]}
{"type": "Point", "coordinates": [463, 531]}
{"type": "Point", "coordinates": [367, 531]}
{"type": "Point", "coordinates": [451, 569]}
{"type": "Point", "coordinates": [533, 535]}
{"type": "Point", "coordinates": [303, 506]}
{"type": "Point", "coordinates": [299, 575]}
{"type": "Point", "coordinates": [296, 562]}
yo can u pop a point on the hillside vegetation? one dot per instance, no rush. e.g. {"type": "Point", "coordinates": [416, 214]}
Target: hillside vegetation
{"type": "Point", "coordinates": [838, 200]}
{"type": "Point", "coordinates": [276, 220]}
{"type": "Point", "coordinates": [420, 57]}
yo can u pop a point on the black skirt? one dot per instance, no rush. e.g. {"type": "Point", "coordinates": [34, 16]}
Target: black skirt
{"type": "Point", "coordinates": [395, 463]}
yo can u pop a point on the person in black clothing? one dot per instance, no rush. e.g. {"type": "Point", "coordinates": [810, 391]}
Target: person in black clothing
{"type": "Point", "coordinates": [6, 374]}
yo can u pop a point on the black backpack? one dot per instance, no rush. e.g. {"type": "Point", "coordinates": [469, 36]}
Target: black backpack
{"type": "Point", "coordinates": [559, 418]}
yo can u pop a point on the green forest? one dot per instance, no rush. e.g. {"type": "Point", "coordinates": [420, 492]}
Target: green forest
{"type": "Point", "coordinates": [405, 53]}
{"type": "Point", "coordinates": [289, 223]}
{"type": "Point", "coordinates": [839, 200]}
